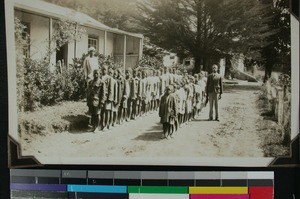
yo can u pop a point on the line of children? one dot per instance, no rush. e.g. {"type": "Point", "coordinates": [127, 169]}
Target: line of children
{"type": "Point", "coordinates": [114, 97]}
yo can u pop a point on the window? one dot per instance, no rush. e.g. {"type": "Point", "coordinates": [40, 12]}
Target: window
{"type": "Point", "coordinates": [26, 37]}
{"type": "Point", "coordinates": [93, 42]}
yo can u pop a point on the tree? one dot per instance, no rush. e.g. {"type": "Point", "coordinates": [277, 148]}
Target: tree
{"type": "Point", "coordinates": [206, 29]}
{"type": "Point", "coordinates": [278, 51]}
{"type": "Point", "coordinates": [153, 56]}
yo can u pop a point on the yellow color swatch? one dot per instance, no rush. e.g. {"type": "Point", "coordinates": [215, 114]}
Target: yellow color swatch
{"type": "Point", "coordinates": [218, 190]}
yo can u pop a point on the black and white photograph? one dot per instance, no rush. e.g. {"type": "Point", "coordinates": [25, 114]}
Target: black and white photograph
{"type": "Point", "coordinates": [153, 82]}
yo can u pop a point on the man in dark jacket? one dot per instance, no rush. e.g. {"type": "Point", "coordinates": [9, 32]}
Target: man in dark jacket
{"type": "Point", "coordinates": [214, 90]}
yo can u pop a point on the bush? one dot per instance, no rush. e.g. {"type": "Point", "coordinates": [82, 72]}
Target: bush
{"type": "Point", "coordinates": [76, 78]}
{"type": "Point", "coordinates": [37, 84]}
{"type": "Point", "coordinates": [21, 43]}
{"type": "Point", "coordinates": [150, 62]}
{"type": "Point", "coordinates": [43, 87]}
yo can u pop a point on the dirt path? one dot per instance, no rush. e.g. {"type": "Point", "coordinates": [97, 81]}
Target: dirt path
{"type": "Point", "coordinates": [235, 135]}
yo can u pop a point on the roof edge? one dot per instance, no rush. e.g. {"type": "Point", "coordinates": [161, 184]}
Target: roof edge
{"type": "Point", "coordinates": [91, 22]}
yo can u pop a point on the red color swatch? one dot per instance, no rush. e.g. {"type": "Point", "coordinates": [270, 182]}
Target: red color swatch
{"type": "Point", "coordinates": [261, 192]}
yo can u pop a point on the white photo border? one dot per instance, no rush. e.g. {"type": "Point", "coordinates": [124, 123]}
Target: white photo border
{"type": "Point", "coordinates": [204, 161]}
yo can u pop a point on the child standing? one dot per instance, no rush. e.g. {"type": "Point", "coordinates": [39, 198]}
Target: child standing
{"type": "Point", "coordinates": [168, 112]}
{"type": "Point", "coordinates": [96, 99]}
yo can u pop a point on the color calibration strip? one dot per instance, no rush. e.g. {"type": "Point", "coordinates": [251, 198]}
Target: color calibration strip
{"type": "Point", "coordinates": [141, 184]}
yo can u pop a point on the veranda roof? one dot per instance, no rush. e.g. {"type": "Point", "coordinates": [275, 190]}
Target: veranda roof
{"type": "Point", "coordinates": [58, 12]}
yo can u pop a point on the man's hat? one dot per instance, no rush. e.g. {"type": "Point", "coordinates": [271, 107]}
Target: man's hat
{"type": "Point", "coordinates": [91, 49]}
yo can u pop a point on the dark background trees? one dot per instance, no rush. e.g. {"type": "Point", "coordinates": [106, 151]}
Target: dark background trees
{"type": "Point", "coordinates": [206, 30]}
{"type": "Point", "coordinates": [277, 54]}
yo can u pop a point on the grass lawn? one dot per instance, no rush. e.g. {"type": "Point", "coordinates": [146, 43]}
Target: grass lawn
{"type": "Point", "coordinates": [273, 140]}
{"type": "Point", "coordinates": [66, 116]}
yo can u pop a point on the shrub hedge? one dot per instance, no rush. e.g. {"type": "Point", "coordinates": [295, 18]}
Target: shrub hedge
{"type": "Point", "coordinates": [45, 87]}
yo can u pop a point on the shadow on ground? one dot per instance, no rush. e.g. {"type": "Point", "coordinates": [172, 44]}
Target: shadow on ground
{"type": "Point", "coordinates": [243, 86]}
{"type": "Point", "coordinates": [152, 134]}
{"type": "Point", "coordinates": [268, 115]}
{"type": "Point", "coordinates": [78, 123]}
{"type": "Point", "coordinates": [201, 120]}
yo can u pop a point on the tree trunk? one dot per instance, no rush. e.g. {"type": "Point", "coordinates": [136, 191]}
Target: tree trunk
{"type": "Point", "coordinates": [269, 65]}
{"type": "Point", "coordinates": [197, 67]}
{"type": "Point", "coordinates": [269, 55]}
{"type": "Point", "coordinates": [268, 71]}
{"type": "Point", "coordinates": [206, 64]}
{"type": "Point", "coordinates": [228, 67]}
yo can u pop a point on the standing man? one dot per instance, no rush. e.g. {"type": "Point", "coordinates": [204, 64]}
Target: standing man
{"type": "Point", "coordinates": [214, 90]}
{"type": "Point", "coordinates": [89, 65]}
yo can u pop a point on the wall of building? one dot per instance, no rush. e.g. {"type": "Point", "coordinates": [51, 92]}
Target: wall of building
{"type": "Point", "coordinates": [82, 45]}
{"type": "Point", "coordinates": [71, 52]}
{"type": "Point", "coordinates": [39, 33]}
{"type": "Point", "coordinates": [132, 51]}
{"type": "Point", "coordinates": [118, 44]}
{"type": "Point", "coordinates": [101, 39]}
{"type": "Point", "coordinates": [110, 44]}
{"type": "Point", "coordinates": [118, 48]}
{"type": "Point", "coordinates": [132, 45]}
